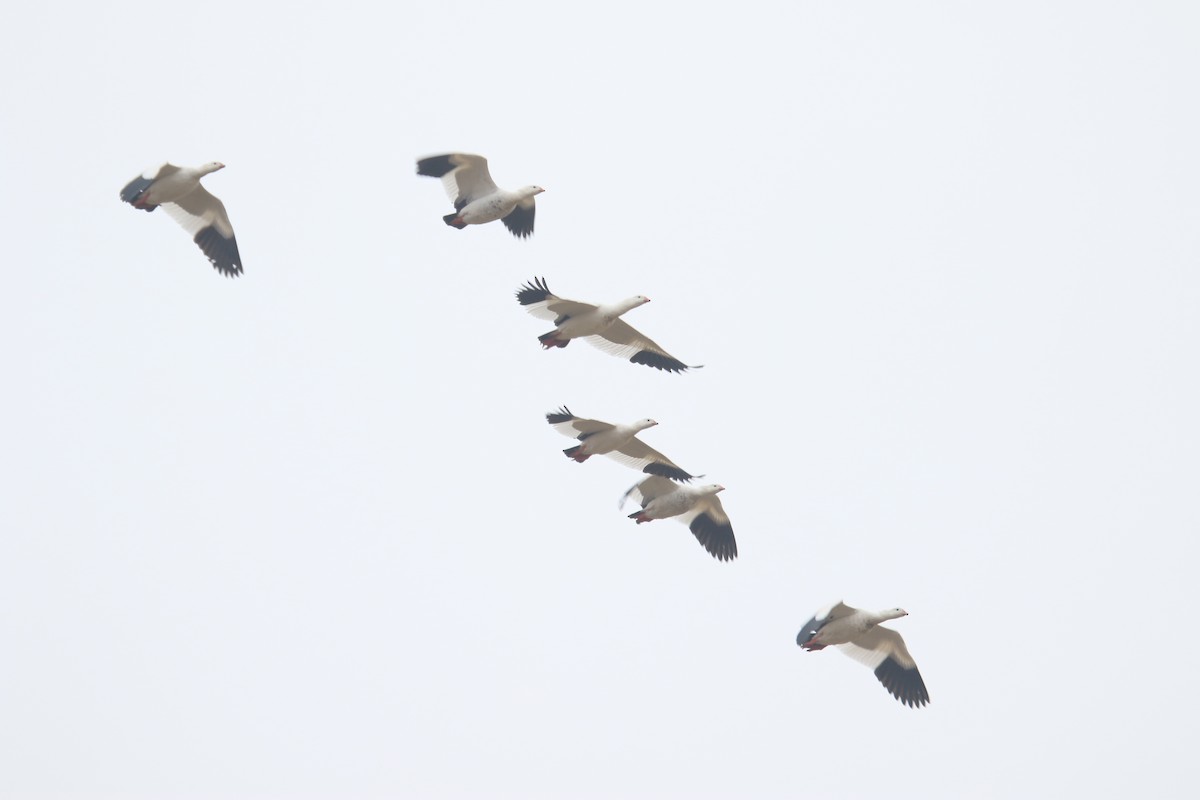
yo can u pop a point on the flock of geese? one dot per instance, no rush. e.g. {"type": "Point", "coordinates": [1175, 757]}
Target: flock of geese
{"type": "Point", "coordinates": [667, 491]}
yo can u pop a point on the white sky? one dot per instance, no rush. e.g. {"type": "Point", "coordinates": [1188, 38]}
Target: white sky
{"type": "Point", "coordinates": [307, 534]}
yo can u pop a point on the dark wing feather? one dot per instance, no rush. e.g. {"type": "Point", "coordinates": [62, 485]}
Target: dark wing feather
{"type": "Point", "coordinates": [536, 291]}
{"type": "Point", "coordinates": [578, 428]}
{"type": "Point", "coordinates": [435, 166]}
{"type": "Point", "coordinates": [520, 220]}
{"type": "Point", "coordinates": [668, 471]}
{"type": "Point", "coordinates": [134, 189]}
{"type": "Point", "coordinates": [716, 537]}
{"type": "Point", "coordinates": [904, 684]}
{"type": "Point", "coordinates": [810, 630]}
{"type": "Point", "coordinates": [222, 252]}
{"type": "Point", "coordinates": [659, 361]}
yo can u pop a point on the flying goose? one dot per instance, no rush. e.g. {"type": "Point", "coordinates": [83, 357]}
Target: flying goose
{"type": "Point", "coordinates": [600, 325]}
{"type": "Point", "coordinates": [860, 636]}
{"type": "Point", "coordinates": [695, 506]}
{"type": "Point", "coordinates": [618, 442]}
{"type": "Point", "coordinates": [476, 197]}
{"type": "Point", "coordinates": [178, 191]}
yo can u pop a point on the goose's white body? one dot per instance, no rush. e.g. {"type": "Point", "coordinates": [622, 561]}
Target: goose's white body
{"type": "Point", "coordinates": [497, 205]}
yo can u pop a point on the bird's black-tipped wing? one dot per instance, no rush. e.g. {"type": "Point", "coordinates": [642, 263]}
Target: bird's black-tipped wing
{"type": "Point", "coordinates": [138, 186]}
{"type": "Point", "coordinates": [624, 341]}
{"type": "Point", "coordinates": [883, 650]}
{"type": "Point", "coordinates": [520, 219]}
{"type": "Point", "coordinates": [668, 471]}
{"type": "Point", "coordinates": [204, 217]}
{"type": "Point", "coordinates": [903, 683]}
{"type": "Point", "coordinates": [134, 189]}
{"type": "Point", "coordinates": [809, 630]}
{"type": "Point", "coordinates": [538, 300]}
{"type": "Point", "coordinates": [710, 525]}
{"type": "Point", "coordinates": [465, 176]}
{"type": "Point", "coordinates": [535, 291]}
{"type": "Point", "coordinates": [579, 428]}
{"type": "Point", "coordinates": [715, 536]}
{"type": "Point", "coordinates": [822, 618]}
{"type": "Point", "coordinates": [641, 456]}
{"type": "Point", "coordinates": [659, 361]}
{"type": "Point", "coordinates": [222, 252]}
{"type": "Point", "coordinates": [436, 166]}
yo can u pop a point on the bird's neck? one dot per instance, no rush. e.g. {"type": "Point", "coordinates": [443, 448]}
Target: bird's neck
{"type": "Point", "coordinates": [617, 309]}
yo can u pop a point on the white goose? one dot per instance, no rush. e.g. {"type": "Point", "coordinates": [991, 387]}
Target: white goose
{"type": "Point", "coordinates": [695, 506]}
{"type": "Point", "coordinates": [476, 197]}
{"type": "Point", "coordinates": [178, 190]}
{"type": "Point", "coordinates": [600, 325]}
{"type": "Point", "coordinates": [618, 442]}
{"type": "Point", "coordinates": [860, 636]}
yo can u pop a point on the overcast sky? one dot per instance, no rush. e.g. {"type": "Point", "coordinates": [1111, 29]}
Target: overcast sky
{"type": "Point", "coordinates": [306, 533]}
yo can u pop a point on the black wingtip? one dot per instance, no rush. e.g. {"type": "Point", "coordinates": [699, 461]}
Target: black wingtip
{"type": "Point", "coordinates": [667, 471]}
{"type": "Point", "coordinates": [659, 361]}
{"type": "Point", "coordinates": [520, 222]}
{"type": "Point", "coordinates": [134, 190]}
{"type": "Point", "coordinates": [807, 632]}
{"type": "Point", "coordinates": [562, 415]}
{"type": "Point", "coordinates": [717, 539]}
{"type": "Point", "coordinates": [435, 166]}
{"type": "Point", "coordinates": [535, 291]}
{"type": "Point", "coordinates": [221, 252]}
{"type": "Point", "coordinates": [904, 684]}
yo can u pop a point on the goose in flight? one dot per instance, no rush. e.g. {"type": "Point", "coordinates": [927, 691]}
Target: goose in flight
{"type": "Point", "coordinates": [695, 506]}
{"type": "Point", "coordinates": [476, 197]}
{"type": "Point", "coordinates": [618, 442]}
{"type": "Point", "coordinates": [859, 635]}
{"type": "Point", "coordinates": [600, 325]}
{"type": "Point", "coordinates": [178, 191]}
